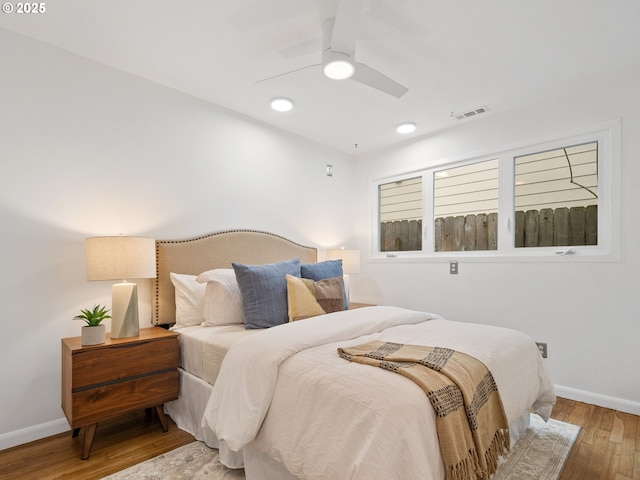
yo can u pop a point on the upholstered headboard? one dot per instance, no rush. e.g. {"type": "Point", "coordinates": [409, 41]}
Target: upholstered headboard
{"type": "Point", "coordinates": [217, 250]}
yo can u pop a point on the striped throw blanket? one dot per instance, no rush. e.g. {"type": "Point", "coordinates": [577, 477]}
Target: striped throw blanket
{"type": "Point", "coordinates": [472, 426]}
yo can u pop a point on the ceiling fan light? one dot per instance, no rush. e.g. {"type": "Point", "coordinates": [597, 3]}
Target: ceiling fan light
{"type": "Point", "coordinates": [281, 104]}
{"type": "Point", "coordinates": [337, 65]}
{"type": "Point", "coordinates": [404, 128]}
{"type": "Point", "coordinates": [339, 70]}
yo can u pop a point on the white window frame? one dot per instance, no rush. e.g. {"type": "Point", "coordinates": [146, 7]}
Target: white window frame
{"type": "Point", "coordinates": [609, 180]}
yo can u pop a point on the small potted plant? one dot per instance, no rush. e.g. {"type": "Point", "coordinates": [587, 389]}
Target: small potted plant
{"type": "Point", "coordinates": [93, 333]}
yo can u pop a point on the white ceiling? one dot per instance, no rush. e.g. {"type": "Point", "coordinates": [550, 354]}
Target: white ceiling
{"type": "Point", "coordinates": [452, 55]}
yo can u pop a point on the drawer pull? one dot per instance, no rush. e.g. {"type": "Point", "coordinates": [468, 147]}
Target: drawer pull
{"type": "Point", "coordinates": [130, 345]}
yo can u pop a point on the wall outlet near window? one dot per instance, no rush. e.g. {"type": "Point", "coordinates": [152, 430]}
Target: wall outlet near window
{"type": "Point", "coordinates": [542, 347]}
{"type": "Point", "coordinates": [453, 267]}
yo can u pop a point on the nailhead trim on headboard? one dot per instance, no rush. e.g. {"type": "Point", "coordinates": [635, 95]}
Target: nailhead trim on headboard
{"type": "Point", "coordinates": [256, 255]}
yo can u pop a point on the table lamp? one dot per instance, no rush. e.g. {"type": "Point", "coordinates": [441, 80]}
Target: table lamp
{"type": "Point", "coordinates": [121, 258]}
{"type": "Point", "coordinates": [350, 264]}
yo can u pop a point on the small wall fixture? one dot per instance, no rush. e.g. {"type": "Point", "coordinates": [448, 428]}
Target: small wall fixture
{"type": "Point", "coordinates": [281, 104]}
{"type": "Point", "coordinates": [406, 128]}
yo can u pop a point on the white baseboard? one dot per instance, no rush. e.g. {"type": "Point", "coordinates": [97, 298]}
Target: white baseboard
{"type": "Point", "coordinates": [36, 432]}
{"type": "Point", "coordinates": [598, 399]}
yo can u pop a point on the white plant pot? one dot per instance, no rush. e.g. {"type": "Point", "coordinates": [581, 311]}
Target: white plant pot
{"type": "Point", "coordinates": [93, 335]}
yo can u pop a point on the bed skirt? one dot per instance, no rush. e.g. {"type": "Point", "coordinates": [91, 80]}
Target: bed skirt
{"type": "Point", "coordinates": [187, 413]}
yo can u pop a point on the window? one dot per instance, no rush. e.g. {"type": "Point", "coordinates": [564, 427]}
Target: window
{"type": "Point", "coordinates": [400, 205]}
{"type": "Point", "coordinates": [549, 199]}
{"type": "Point", "coordinates": [465, 205]}
{"type": "Point", "coordinates": [556, 197]}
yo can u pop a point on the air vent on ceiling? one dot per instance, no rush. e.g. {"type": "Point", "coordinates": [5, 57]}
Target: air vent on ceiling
{"type": "Point", "coordinates": [470, 113]}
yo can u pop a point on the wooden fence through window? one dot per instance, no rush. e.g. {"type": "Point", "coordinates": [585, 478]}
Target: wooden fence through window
{"type": "Point", "coordinates": [534, 228]}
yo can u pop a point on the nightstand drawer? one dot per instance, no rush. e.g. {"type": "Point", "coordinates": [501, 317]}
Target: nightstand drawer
{"type": "Point", "coordinates": [121, 361]}
{"type": "Point", "coordinates": [99, 403]}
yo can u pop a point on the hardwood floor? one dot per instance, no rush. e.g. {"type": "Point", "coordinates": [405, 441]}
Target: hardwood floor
{"type": "Point", "coordinates": [118, 444]}
{"type": "Point", "coordinates": [608, 447]}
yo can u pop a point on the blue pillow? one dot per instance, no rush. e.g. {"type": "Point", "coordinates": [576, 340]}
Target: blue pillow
{"type": "Point", "coordinates": [264, 292]}
{"type": "Point", "coordinates": [323, 270]}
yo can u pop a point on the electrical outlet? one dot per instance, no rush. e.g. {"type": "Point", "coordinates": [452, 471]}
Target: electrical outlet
{"type": "Point", "coordinates": [542, 347]}
{"type": "Point", "coordinates": [453, 267]}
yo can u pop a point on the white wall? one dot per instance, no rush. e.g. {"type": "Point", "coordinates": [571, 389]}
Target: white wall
{"type": "Point", "coordinates": [587, 312]}
{"type": "Point", "coordinates": [87, 150]}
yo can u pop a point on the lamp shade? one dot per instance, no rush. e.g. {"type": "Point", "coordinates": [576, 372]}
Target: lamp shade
{"type": "Point", "coordinates": [120, 258]}
{"type": "Point", "coordinates": [350, 259]}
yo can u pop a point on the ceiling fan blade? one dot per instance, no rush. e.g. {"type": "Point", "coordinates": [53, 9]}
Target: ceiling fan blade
{"type": "Point", "coordinates": [373, 78]}
{"type": "Point", "coordinates": [307, 47]}
{"type": "Point", "coordinates": [287, 73]}
{"type": "Point", "coordinates": [382, 11]}
{"type": "Point", "coordinates": [345, 27]}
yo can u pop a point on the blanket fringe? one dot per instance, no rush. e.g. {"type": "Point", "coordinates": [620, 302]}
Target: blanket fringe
{"type": "Point", "coordinates": [500, 445]}
{"type": "Point", "coordinates": [468, 468]}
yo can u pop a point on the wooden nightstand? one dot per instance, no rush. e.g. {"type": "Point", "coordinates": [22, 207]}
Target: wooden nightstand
{"type": "Point", "coordinates": [119, 376]}
{"type": "Point", "coordinates": [353, 305]}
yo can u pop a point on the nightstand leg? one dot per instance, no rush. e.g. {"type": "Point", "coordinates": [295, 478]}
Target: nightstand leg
{"type": "Point", "coordinates": [89, 435]}
{"type": "Point", "coordinates": [162, 417]}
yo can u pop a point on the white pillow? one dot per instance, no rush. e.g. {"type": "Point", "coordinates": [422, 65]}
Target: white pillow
{"type": "Point", "coordinates": [189, 300]}
{"type": "Point", "coordinates": [222, 298]}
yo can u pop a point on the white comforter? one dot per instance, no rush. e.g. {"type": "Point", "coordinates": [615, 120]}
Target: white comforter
{"type": "Point", "coordinates": [288, 393]}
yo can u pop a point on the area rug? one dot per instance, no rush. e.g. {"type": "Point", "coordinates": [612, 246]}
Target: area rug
{"type": "Point", "coordinates": [539, 455]}
{"type": "Point", "coordinates": [541, 452]}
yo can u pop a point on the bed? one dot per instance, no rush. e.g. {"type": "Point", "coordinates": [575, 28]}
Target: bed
{"type": "Point", "coordinates": [283, 404]}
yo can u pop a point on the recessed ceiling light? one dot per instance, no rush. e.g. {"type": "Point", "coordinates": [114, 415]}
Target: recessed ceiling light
{"type": "Point", "coordinates": [406, 127]}
{"type": "Point", "coordinates": [281, 104]}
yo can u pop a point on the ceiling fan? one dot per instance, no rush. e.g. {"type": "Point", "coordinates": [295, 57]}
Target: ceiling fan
{"type": "Point", "coordinates": [338, 53]}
